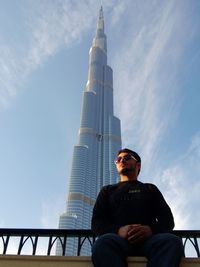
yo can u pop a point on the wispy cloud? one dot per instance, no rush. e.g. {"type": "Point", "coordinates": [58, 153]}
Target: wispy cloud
{"type": "Point", "coordinates": [146, 80]}
{"type": "Point", "coordinates": [49, 26]}
{"type": "Point", "coordinates": [182, 186]}
{"type": "Point", "coordinates": [58, 25]}
{"type": "Point", "coordinates": [9, 72]}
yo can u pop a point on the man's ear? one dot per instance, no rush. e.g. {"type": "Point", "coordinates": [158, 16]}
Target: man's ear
{"type": "Point", "coordinates": [139, 167]}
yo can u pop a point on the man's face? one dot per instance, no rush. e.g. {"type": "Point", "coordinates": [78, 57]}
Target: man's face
{"type": "Point", "coordinates": [127, 164]}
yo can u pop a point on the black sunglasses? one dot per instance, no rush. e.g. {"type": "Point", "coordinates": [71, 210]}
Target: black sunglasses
{"type": "Point", "coordinates": [124, 159]}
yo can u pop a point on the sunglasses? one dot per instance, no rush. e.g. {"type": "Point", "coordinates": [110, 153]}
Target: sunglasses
{"type": "Point", "coordinates": [124, 159]}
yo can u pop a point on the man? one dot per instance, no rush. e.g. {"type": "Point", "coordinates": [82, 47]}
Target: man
{"type": "Point", "coordinates": [132, 218]}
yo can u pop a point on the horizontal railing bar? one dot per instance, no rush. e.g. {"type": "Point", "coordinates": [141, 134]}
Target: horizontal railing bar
{"type": "Point", "coordinates": [45, 232]}
{"type": "Point", "coordinates": [187, 233]}
{"type": "Point", "coordinates": [75, 232]}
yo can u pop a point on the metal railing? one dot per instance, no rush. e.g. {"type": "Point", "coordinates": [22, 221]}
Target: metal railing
{"type": "Point", "coordinates": [33, 237]}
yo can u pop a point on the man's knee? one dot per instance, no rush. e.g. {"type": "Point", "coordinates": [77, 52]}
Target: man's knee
{"type": "Point", "coordinates": [171, 242]}
{"type": "Point", "coordinates": [104, 240]}
{"type": "Point", "coordinates": [172, 239]}
{"type": "Point", "coordinates": [164, 240]}
{"type": "Point", "coordinates": [107, 242]}
{"type": "Point", "coordinates": [109, 250]}
{"type": "Point", "coordinates": [176, 243]}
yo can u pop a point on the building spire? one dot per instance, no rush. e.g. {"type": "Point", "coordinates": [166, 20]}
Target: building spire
{"type": "Point", "coordinates": [100, 38]}
{"type": "Point", "coordinates": [100, 22]}
{"type": "Point", "coordinates": [101, 13]}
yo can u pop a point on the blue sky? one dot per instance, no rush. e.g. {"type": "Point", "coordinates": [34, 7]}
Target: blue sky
{"type": "Point", "coordinates": [153, 48]}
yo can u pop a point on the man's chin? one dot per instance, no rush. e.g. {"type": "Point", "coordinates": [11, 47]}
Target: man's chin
{"type": "Point", "coordinates": [125, 171]}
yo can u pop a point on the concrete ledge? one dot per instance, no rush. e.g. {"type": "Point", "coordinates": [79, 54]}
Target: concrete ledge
{"type": "Point", "coordinates": [141, 262]}
{"type": "Point", "coordinates": [82, 261]}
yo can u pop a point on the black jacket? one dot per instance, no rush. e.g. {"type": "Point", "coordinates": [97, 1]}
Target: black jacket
{"type": "Point", "coordinates": [131, 202]}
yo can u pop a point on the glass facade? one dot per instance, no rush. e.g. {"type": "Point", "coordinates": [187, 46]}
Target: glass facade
{"type": "Point", "coordinates": [99, 139]}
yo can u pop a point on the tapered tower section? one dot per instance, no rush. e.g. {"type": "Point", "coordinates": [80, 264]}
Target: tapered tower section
{"type": "Point", "coordinates": [99, 139]}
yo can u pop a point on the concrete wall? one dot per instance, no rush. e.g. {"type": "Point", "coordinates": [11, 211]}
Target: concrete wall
{"type": "Point", "coordinates": [82, 261]}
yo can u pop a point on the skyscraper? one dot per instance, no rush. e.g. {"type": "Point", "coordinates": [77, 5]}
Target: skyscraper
{"type": "Point", "coordinates": [99, 139]}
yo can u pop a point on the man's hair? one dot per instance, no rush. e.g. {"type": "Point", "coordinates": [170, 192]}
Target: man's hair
{"type": "Point", "coordinates": [133, 153]}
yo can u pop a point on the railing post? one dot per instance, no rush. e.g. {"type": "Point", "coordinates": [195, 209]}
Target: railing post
{"type": "Point", "coordinates": [20, 245]}
{"type": "Point", "coordinates": [79, 246]}
{"type": "Point", "coordinates": [49, 246]}
{"type": "Point", "coordinates": [64, 245]}
{"type": "Point", "coordinates": [35, 245]}
{"type": "Point", "coordinates": [5, 243]}
{"type": "Point", "coordinates": [196, 247]}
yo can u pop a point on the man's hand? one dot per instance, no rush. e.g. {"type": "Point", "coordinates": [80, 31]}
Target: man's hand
{"type": "Point", "coordinates": [123, 231]}
{"type": "Point", "coordinates": [135, 233]}
{"type": "Point", "coordinates": [138, 233]}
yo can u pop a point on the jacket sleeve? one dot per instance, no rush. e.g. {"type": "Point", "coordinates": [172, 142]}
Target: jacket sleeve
{"type": "Point", "coordinates": [101, 221]}
{"type": "Point", "coordinates": [164, 217]}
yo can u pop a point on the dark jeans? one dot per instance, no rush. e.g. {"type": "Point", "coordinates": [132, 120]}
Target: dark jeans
{"type": "Point", "coordinates": [161, 250]}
